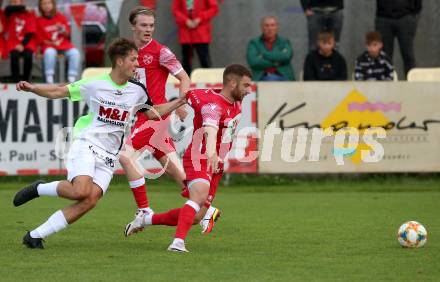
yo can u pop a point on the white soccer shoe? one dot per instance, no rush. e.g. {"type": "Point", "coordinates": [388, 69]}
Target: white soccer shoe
{"type": "Point", "coordinates": [178, 246]}
{"type": "Point", "coordinates": [139, 222]}
{"type": "Point", "coordinates": [208, 221]}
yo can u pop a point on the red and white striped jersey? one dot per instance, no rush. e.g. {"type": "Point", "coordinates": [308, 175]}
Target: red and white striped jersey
{"type": "Point", "coordinates": [211, 108]}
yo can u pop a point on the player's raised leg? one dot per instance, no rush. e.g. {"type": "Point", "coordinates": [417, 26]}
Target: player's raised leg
{"type": "Point", "coordinates": [63, 189]}
{"type": "Point", "coordinates": [85, 191]}
{"type": "Point", "coordinates": [137, 183]}
{"type": "Point", "coordinates": [135, 175]}
{"type": "Point", "coordinates": [35, 190]}
{"type": "Point", "coordinates": [173, 167]}
{"type": "Point", "coordinates": [169, 218]}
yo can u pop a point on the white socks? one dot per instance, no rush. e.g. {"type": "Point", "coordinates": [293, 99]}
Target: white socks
{"type": "Point", "coordinates": [147, 220]}
{"type": "Point", "coordinates": [193, 204]}
{"type": "Point", "coordinates": [55, 223]}
{"type": "Point", "coordinates": [48, 189]}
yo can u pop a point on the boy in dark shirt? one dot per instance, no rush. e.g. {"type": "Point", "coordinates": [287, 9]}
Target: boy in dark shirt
{"type": "Point", "coordinates": [373, 64]}
{"type": "Point", "coordinates": [325, 63]}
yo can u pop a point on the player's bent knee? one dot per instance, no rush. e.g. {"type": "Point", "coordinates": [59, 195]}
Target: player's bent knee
{"type": "Point", "coordinates": [91, 201]}
{"type": "Point", "coordinates": [87, 204]}
{"type": "Point", "coordinates": [200, 214]}
{"type": "Point", "coordinates": [82, 190]}
{"type": "Point", "coordinates": [199, 197]}
{"type": "Point", "coordinates": [96, 193]}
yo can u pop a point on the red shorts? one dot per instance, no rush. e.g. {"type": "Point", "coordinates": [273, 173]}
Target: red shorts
{"type": "Point", "coordinates": [200, 174]}
{"type": "Point", "coordinates": [152, 135]}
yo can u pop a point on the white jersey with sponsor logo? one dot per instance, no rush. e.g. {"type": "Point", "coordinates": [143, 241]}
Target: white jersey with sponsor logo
{"type": "Point", "coordinates": [110, 106]}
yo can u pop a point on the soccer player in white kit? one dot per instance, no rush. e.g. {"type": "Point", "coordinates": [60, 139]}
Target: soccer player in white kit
{"type": "Point", "coordinates": [98, 137]}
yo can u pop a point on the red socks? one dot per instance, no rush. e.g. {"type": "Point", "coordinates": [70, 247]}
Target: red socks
{"type": "Point", "coordinates": [139, 192]}
{"type": "Point", "coordinates": [186, 219]}
{"type": "Point", "coordinates": [169, 218]}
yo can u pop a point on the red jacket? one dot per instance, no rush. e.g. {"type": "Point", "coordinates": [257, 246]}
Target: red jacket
{"type": "Point", "coordinates": [3, 51]}
{"type": "Point", "coordinates": [205, 10]}
{"type": "Point", "coordinates": [48, 33]}
{"type": "Point", "coordinates": [18, 25]}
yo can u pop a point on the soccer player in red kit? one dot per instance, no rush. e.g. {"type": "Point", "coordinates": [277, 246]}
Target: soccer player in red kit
{"type": "Point", "coordinates": [156, 62]}
{"type": "Point", "coordinates": [216, 116]}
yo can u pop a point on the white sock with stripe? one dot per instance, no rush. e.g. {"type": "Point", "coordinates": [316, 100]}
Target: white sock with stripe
{"type": "Point", "coordinates": [194, 205]}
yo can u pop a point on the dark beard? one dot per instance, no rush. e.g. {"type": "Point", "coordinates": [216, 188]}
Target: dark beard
{"type": "Point", "coordinates": [236, 95]}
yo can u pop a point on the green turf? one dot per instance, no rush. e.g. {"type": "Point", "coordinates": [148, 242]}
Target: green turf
{"type": "Point", "coordinates": [321, 230]}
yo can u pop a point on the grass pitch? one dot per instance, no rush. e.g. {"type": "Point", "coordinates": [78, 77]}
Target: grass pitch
{"type": "Point", "coordinates": [317, 230]}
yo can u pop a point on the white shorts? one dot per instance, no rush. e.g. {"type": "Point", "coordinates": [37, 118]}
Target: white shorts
{"type": "Point", "coordinates": [85, 158]}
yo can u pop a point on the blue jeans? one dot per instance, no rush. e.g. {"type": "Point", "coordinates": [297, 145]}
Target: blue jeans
{"type": "Point", "coordinates": [50, 59]}
{"type": "Point", "coordinates": [273, 77]}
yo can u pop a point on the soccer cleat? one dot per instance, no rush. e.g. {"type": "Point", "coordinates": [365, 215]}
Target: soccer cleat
{"type": "Point", "coordinates": [138, 224]}
{"type": "Point", "coordinates": [26, 194]}
{"type": "Point", "coordinates": [178, 246]}
{"type": "Point", "coordinates": [32, 243]}
{"type": "Point", "coordinates": [208, 221]}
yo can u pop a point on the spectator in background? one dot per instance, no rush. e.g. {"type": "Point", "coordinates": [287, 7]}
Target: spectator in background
{"type": "Point", "coordinates": [3, 51]}
{"type": "Point", "coordinates": [53, 34]}
{"type": "Point", "coordinates": [323, 14]}
{"type": "Point", "coordinates": [21, 40]}
{"type": "Point", "coordinates": [325, 63]}
{"type": "Point", "coordinates": [398, 19]}
{"type": "Point", "coordinates": [373, 64]}
{"type": "Point", "coordinates": [193, 18]}
{"type": "Point", "coordinates": [269, 55]}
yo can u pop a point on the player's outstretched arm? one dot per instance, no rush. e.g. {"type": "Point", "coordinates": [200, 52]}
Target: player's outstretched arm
{"type": "Point", "coordinates": [47, 91]}
{"type": "Point", "coordinates": [164, 109]}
